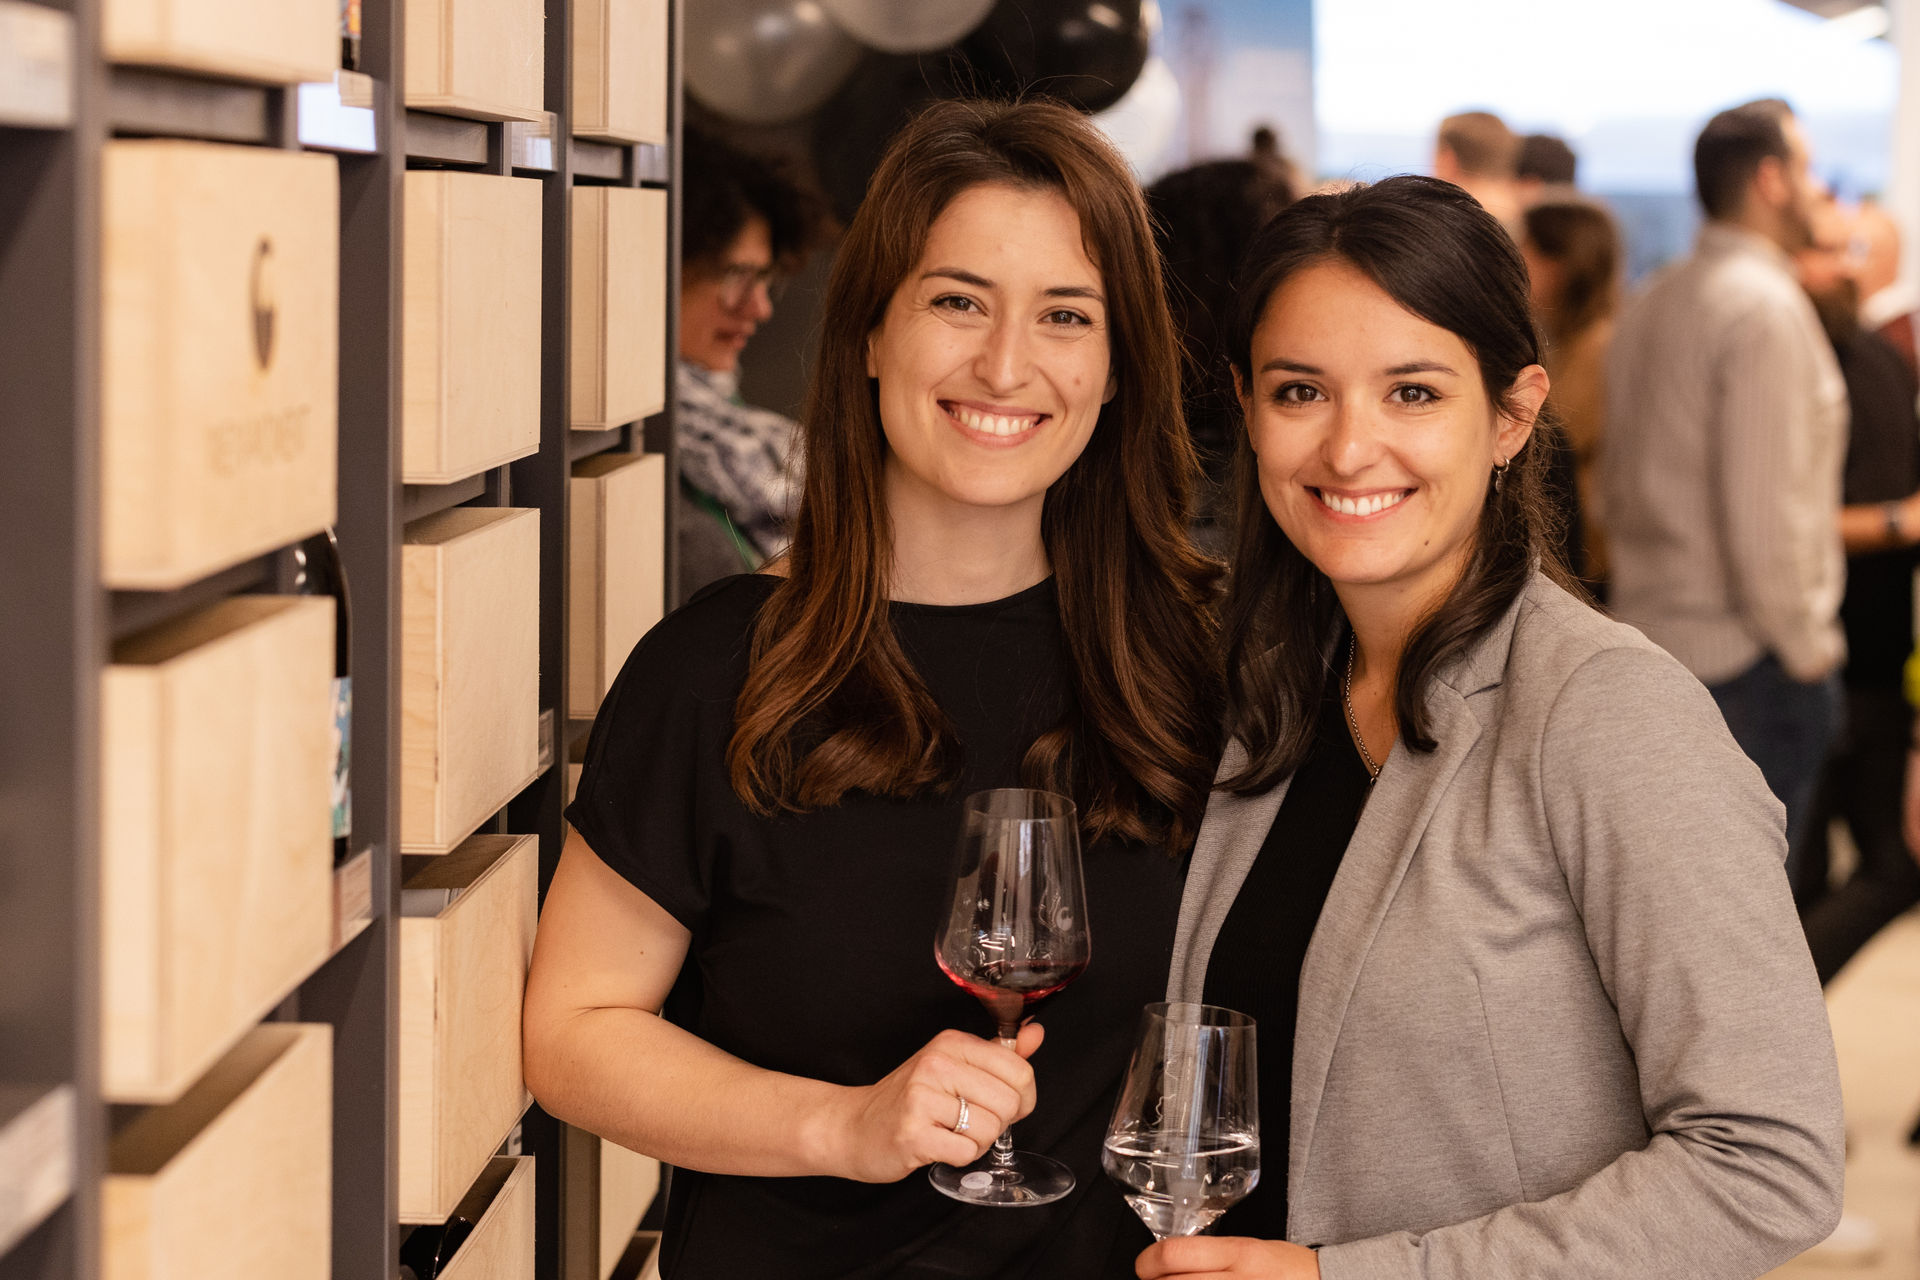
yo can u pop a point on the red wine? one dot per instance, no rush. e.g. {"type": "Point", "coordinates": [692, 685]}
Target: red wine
{"type": "Point", "coordinates": [1008, 988]}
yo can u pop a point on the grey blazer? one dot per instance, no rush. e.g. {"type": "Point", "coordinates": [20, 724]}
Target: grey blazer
{"type": "Point", "coordinates": [1558, 1018]}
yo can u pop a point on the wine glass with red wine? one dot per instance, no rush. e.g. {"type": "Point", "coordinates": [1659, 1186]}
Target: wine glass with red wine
{"type": "Point", "coordinates": [1014, 933]}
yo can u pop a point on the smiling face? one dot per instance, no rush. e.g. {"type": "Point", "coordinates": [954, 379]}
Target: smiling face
{"type": "Point", "coordinates": [992, 358]}
{"type": "Point", "coordinates": [1375, 435]}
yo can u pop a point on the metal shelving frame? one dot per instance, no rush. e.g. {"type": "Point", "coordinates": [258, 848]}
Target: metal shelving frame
{"type": "Point", "coordinates": [60, 621]}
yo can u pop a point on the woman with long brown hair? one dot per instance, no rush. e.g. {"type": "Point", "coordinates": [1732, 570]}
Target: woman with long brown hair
{"type": "Point", "coordinates": [989, 585]}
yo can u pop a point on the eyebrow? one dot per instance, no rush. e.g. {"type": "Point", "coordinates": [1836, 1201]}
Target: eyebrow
{"type": "Point", "coordinates": [981, 282]}
{"type": "Point", "coordinates": [1284, 365]}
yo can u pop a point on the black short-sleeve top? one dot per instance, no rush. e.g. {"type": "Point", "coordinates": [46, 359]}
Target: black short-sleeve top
{"type": "Point", "coordinates": [812, 941]}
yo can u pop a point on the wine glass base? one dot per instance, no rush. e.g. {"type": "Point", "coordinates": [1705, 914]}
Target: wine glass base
{"type": "Point", "coordinates": [1024, 1181]}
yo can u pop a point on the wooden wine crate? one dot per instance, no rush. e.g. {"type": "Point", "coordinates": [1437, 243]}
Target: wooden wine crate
{"type": "Point", "coordinates": [469, 670]}
{"type": "Point", "coordinates": [470, 324]}
{"type": "Point", "coordinates": [216, 833]}
{"type": "Point", "coordinates": [462, 974]}
{"type": "Point", "coordinates": [620, 70]}
{"type": "Point", "coordinates": [234, 1179]}
{"type": "Point", "coordinates": [219, 354]}
{"type": "Point", "coordinates": [481, 58]}
{"type": "Point", "coordinates": [283, 41]}
{"type": "Point", "coordinates": [619, 290]}
{"type": "Point", "coordinates": [628, 1181]}
{"type": "Point", "coordinates": [500, 1206]}
{"type": "Point", "coordinates": [616, 567]}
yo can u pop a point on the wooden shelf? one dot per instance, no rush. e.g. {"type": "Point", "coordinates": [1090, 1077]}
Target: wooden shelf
{"type": "Point", "coordinates": [141, 101]}
{"type": "Point", "coordinates": [447, 139]}
{"type": "Point", "coordinates": [36, 66]}
{"type": "Point", "coordinates": [36, 1157]}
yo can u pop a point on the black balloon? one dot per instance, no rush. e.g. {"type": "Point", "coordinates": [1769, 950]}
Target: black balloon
{"type": "Point", "coordinates": [851, 132]}
{"type": "Point", "coordinates": [1087, 52]}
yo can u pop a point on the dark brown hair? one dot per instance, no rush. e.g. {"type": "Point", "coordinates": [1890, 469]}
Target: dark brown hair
{"type": "Point", "coordinates": [721, 187]}
{"type": "Point", "coordinates": [831, 703]}
{"type": "Point", "coordinates": [1729, 150]}
{"type": "Point", "coordinates": [1434, 250]}
{"type": "Point", "coordinates": [1481, 143]}
{"type": "Point", "coordinates": [1579, 236]}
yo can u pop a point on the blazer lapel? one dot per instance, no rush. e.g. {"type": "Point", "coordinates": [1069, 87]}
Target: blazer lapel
{"type": "Point", "coordinates": [1409, 789]}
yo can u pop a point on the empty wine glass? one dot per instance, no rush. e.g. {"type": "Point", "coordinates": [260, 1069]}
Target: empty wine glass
{"type": "Point", "coordinates": [1015, 932]}
{"type": "Point", "coordinates": [1184, 1144]}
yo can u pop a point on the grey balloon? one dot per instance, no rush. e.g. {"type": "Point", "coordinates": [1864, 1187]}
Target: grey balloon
{"type": "Point", "coordinates": [908, 26]}
{"type": "Point", "coordinates": [765, 61]}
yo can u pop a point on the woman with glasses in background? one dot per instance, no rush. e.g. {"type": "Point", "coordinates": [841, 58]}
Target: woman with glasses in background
{"type": "Point", "coordinates": [747, 224]}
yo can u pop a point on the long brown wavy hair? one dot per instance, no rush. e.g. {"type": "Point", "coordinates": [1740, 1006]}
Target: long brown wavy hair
{"type": "Point", "coordinates": [831, 704]}
{"type": "Point", "coordinates": [1434, 250]}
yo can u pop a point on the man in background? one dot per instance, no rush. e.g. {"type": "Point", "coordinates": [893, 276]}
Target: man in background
{"type": "Point", "coordinates": [1546, 165]}
{"type": "Point", "coordinates": [1726, 433]}
{"type": "Point", "coordinates": [1887, 305]}
{"type": "Point", "coordinates": [1477, 152]}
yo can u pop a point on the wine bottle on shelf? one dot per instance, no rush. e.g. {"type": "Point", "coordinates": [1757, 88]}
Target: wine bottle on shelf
{"type": "Point", "coordinates": [350, 35]}
{"type": "Point", "coordinates": [318, 571]}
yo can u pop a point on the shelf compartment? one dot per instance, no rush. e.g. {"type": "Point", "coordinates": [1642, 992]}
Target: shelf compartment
{"type": "Point", "coordinates": [616, 563]}
{"type": "Point", "coordinates": [463, 971]}
{"type": "Point", "coordinates": [36, 66]}
{"type": "Point", "coordinates": [479, 58]}
{"type": "Point", "coordinates": [628, 1181]}
{"type": "Point", "coordinates": [500, 1205]}
{"type": "Point", "coordinates": [234, 1179]}
{"type": "Point", "coordinates": [220, 339]}
{"type": "Point", "coordinates": [217, 835]}
{"type": "Point", "coordinates": [281, 42]}
{"type": "Point", "coordinates": [620, 70]}
{"type": "Point", "coordinates": [36, 1157]}
{"type": "Point", "coordinates": [619, 302]}
{"type": "Point", "coordinates": [470, 345]}
{"type": "Point", "coordinates": [469, 670]}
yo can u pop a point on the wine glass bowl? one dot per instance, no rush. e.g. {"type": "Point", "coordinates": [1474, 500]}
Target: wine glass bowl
{"type": "Point", "coordinates": [1014, 933]}
{"type": "Point", "coordinates": [1184, 1144]}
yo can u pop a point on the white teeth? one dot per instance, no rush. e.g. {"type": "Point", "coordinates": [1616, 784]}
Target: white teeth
{"type": "Point", "coordinates": [1369, 505]}
{"type": "Point", "coordinates": [993, 424]}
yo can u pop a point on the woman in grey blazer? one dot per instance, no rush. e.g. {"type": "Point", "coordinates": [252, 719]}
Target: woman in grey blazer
{"type": "Point", "coordinates": [1505, 896]}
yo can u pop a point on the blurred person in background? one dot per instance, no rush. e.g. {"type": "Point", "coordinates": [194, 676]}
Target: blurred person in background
{"type": "Point", "coordinates": [1204, 218]}
{"type": "Point", "coordinates": [1880, 526]}
{"type": "Point", "coordinates": [747, 224]}
{"type": "Point", "coordinates": [1477, 152]}
{"type": "Point", "coordinates": [1725, 438]}
{"type": "Point", "coordinates": [1572, 251]}
{"type": "Point", "coordinates": [1546, 163]}
{"type": "Point", "coordinates": [1887, 304]}
{"type": "Point", "coordinates": [1265, 149]}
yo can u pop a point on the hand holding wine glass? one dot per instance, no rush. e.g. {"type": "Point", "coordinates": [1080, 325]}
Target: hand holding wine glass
{"type": "Point", "coordinates": [1184, 1144]}
{"type": "Point", "coordinates": [1014, 934]}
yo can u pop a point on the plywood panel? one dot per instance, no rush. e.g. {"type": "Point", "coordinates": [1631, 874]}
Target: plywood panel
{"type": "Point", "coordinates": [462, 975]}
{"type": "Point", "coordinates": [620, 70]}
{"type": "Point", "coordinates": [470, 340]}
{"type": "Point", "coordinates": [469, 670]}
{"type": "Point", "coordinates": [234, 1179]}
{"type": "Point", "coordinates": [220, 337]}
{"type": "Point", "coordinates": [481, 58]}
{"type": "Point", "coordinates": [628, 1181]}
{"type": "Point", "coordinates": [501, 1246]}
{"type": "Point", "coordinates": [283, 41]}
{"type": "Point", "coordinates": [616, 556]}
{"type": "Point", "coordinates": [217, 837]}
{"type": "Point", "coordinates": [619, 302]}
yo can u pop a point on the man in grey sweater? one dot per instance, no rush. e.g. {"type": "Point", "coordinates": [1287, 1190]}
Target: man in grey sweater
{"type": "Point", "coordinates": [1726, 434]}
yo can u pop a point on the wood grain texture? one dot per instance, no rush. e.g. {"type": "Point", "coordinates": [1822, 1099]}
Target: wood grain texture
{"type": "Point", "coordinates": [36, 1157]}
{"type": "Point", "coordinates": [235, 1178]}
{"type": "Point", "coordinates": [628, 1181]}
{"type": "Point", "coordinates": [501, 1208]}
{"type": "Point", "coordinates": [616, 562]}
{"type": "Point", "coordinates": [480, 58]}
{"type": "Point", "coordinates": [462, 976]}
{"type": "Point", "coordinates": [619, 306]}
{"type": "Point", "coordinates": [470, 324]}
{"type": "Point", "coordinates": [620, 70]}
{"type": "Point", "coordinates": [216, 849]}
{"type": "Point", "coordinates": [283, 41]}
{"type": "Point", "coordinates": [220, 355]}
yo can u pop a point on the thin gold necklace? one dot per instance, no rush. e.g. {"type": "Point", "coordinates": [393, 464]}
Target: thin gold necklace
{"type": "Point", "coordinates": [1346, 696]}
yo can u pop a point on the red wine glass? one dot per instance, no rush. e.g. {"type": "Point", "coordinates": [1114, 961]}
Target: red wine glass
{"type": "Point", "coordinates": [1015, 932]}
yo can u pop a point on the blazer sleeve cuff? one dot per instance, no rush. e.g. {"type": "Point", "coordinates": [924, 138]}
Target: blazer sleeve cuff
{"type": "Point", "coordinates": [1390, 1257]}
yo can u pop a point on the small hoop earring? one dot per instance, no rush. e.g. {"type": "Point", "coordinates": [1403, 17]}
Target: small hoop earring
{"type": "Point", "coordinates": [1500, 473]}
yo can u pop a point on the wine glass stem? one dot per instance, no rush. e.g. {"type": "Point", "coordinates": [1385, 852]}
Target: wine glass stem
{"type": "Point", "coordinates": [1003, 1145]}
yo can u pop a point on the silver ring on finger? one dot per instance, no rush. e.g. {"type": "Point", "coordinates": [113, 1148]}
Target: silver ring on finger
{"type": "Point", "coordinates": [964, 1119]}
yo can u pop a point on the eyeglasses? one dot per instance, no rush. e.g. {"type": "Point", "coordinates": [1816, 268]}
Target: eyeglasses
{"type": "Point", "coordinates": [737, 283]}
